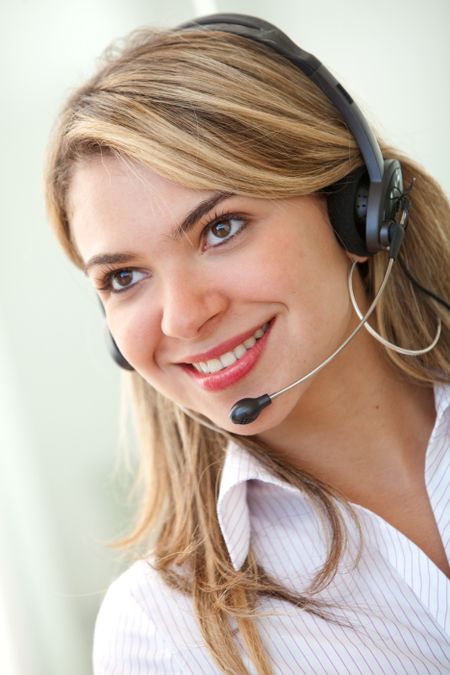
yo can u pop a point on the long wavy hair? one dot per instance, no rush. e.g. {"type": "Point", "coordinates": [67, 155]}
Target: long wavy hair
{"type": "Point", "coordinates": [219, 112]}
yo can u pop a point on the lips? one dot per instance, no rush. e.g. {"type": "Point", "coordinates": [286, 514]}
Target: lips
{"type": "Point", "coordinates": [229, 362]}
{"type": "Point", "coordinates": [230, 357]}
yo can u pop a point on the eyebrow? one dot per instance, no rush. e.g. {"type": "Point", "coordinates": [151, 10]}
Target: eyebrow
{"type": "Point", "coordinates": [199, 211]}
{"type": "Point", "coordinates": [109, 259]}
{"type": "Point", "coordinates": [186, 225]}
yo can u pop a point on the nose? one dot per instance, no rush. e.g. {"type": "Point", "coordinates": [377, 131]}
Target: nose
{"type": "Point", "coordinates": [192, 306]}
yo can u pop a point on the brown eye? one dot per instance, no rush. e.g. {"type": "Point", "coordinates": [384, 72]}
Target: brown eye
{"type": "Point", "coordinates": [222, 230]}
{"type": "Point", "coordinates": [123, 279]}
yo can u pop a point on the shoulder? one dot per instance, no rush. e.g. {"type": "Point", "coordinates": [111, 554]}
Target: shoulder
{"type": "Point", "coordinates": [145, 626]}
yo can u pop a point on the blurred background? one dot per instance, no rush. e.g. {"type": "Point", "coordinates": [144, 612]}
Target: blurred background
{"type": "Point", "coordinates": [61, 494]}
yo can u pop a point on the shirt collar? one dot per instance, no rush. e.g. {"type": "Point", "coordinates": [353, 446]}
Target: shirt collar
{"type": "Point", "coordinates": [240, 467]}
{"type": "Point", "coordinates": [232, 508]}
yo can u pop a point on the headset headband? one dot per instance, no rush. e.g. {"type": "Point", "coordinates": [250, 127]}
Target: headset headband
{"type": "Point", "coordinates": [267, 34]}
{"type": "Point", "coordinates": [380, 197]}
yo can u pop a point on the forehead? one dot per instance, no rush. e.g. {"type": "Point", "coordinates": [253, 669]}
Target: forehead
{"type": "Point", "coordinates": [112, 200]}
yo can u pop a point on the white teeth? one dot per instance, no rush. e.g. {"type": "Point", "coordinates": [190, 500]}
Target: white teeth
{"type": "Point", "coordinates": [227, 359]}
{"type": "Point", "coordinates": [214, 365]}
{"type": "Point", "coordinates": [239, 351]}
{"type": "Point", "coordinates": [250, 342]}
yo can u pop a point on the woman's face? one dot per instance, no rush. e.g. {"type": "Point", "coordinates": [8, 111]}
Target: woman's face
{"type": "Point", "coordinates": [212, 297]}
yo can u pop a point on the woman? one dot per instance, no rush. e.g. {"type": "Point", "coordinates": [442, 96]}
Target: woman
{"type": "Point", "coordinates": [194, 179]}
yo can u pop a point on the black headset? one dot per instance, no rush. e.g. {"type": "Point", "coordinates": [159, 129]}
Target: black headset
{"type": "Point", "coordinates": [363, 205]}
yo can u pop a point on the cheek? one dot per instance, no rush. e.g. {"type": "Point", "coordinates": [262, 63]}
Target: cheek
{"type": "Point", "coordinates": [312, 284]}
{"type": "Point", "coordinates": [282, 274]}
{"type": "Point", "coordinates": [270, 269]}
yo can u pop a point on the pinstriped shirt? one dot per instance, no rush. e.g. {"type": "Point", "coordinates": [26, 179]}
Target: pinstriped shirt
{"type": "Point", "coordinates": [394, 601]}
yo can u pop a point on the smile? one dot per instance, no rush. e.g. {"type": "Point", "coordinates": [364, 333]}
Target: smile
{"type": "Point", "coordinates": [235, 362]}
{"type": "Point", "coordinates": [227, 359]}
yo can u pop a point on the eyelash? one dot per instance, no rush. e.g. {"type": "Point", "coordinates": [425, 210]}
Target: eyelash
{"type": "Point", "coordinates": [106, 279]}
{"type": "Point", "coordinates": [224, 217]}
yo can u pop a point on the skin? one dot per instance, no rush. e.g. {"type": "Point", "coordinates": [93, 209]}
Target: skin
{"type": "Point", "coordinates": [357, 425]}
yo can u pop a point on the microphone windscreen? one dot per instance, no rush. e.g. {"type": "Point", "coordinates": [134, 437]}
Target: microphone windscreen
{"type": "Point", "coordinates": [247, 409]}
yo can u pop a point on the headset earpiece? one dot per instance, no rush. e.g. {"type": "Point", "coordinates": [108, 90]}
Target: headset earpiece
{"type": "Point", "coordinates": [361, 211]}
{"type": "Point", "coordinates": [347, 201]}
{"type": "Point", "coordinates": [116, 353]}
{"type": "Point", "coordinates": [113, 348]}
{"type": "Point", "coordinates": [385, 199]}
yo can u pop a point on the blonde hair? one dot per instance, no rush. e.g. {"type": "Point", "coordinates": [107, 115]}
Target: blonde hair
{"type": "Point", "coordinates": [161, 100]}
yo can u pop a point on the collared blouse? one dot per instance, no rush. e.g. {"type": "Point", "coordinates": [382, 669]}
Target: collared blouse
{"type": "Point", "coordinates": [393, 604]}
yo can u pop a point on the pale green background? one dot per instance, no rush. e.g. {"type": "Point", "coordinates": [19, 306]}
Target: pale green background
{"type": "Point", "coordinates": [59, 493]}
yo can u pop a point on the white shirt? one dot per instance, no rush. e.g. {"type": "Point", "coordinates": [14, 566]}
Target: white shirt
{"type": "Point", "coordinates": [396, 599]}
